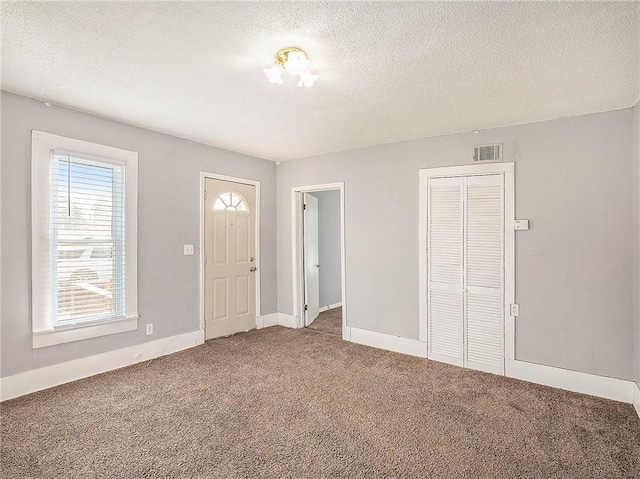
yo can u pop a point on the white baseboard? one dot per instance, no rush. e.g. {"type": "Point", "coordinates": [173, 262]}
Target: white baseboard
{"type": "Point", "coordinates": [287, 320]}
{"type": "Point", "coordinates": [388, 342]}
{"type": "Point", "coordinates": [346, 332]}
{"type": "Point", "coordinates": [636, 398]}
{"type": "Point", "coordinates": [267, 320]}
{"type": "Point", "coordinates": [331, 306]}
{"type": "Point", "coordinates": [601, 386]}
{"type": "Point", "coordinates": [47, 377]}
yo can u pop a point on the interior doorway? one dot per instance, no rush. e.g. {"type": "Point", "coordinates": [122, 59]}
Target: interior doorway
{"type": "Point", "coordinates": [230, 286]}
{"type": "Point", "coordinates": [318, 247]}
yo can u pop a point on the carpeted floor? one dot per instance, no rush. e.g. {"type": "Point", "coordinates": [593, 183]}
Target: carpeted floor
{"type": "Point", "coordinates": [284, 403]}
{"type": "Point", "coordinates": [329, 321]}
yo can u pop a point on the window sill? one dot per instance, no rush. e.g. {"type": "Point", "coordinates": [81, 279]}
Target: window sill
{"type": "Point", "coordinates": [42, 339]}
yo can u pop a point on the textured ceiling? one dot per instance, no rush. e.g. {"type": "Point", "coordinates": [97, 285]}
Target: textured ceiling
{"type": "Point", "coordinates": [387, 71]}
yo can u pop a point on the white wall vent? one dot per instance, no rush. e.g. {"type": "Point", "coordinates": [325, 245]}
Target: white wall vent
{"type": "Point", "coordinates": [487, 153]}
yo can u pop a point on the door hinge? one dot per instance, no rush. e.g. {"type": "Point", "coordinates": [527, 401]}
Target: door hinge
{"type": "Point", "coordinates": [205, 260]}
{"type": "Point", "coordinates": [304, 206]}
{"type": "Point", "coordinates": [205, 195]}
{"type": "Point", "coordinates": [306, 307]}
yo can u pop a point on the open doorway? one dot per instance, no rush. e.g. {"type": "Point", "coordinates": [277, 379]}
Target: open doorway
{"type": "Point", "coordinates": [318, 228]}
{"type": "Point", "coordinates": [321, 261]}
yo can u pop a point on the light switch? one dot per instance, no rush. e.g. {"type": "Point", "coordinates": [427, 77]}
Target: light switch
{"type": "Point", "coordinates": [188, 249]}
{"type": "Point", "coordinates": [521, 225]}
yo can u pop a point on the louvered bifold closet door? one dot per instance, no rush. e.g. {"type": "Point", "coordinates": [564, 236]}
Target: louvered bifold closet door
{"type": "Point", "coordinates": [484, 273]}
{"type": "Point", "coordinates": [444, 270]}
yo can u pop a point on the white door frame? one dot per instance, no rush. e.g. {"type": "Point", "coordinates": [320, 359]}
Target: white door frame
{"type": "Point", "coordinates": [214, 176]}
{"type": "Point", "coordinates": [509, 242]}
{"type": "Point", "coordinates": [296, 251]}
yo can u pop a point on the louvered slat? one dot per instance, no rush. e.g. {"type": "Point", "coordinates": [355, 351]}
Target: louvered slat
{"type": "Point", "coordinates": [445, 327]}
{"type": "Point", "coordinates": [445, 225]}
{"type": "Point", "coordinates": [444, 264]}
{"type": "Point", "coordinates": [484, 329]}
{"type": "Point", "coordinates": [484, 232]}
{"type": "Point", "coordinates": [484, 273]}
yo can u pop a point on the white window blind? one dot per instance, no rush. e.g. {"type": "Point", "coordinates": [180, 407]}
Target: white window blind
{"type": "Point", "coordinates": [84, 201]}
{"type": "Point", "coordinates": [87, 224]}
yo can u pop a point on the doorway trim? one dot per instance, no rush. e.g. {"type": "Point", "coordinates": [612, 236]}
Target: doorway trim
{"type": "Point", "coordinates": [509, 243]}
{"type": "Point", "coordinates": [297, 249]}
{"type": "Point", "coordinates": [215, 176]}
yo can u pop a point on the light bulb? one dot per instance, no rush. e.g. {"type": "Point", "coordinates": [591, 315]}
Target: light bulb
{"type": "Point", "coordinates": [296, 63]}
{"type": "Point", "coordinates": [274, 73]}
{"type": "Point", "coordinates": [307, 79]}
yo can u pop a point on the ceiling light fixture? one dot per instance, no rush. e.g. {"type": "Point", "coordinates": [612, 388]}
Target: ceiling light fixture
{"type": "Point", "coordinates": [294, 60]}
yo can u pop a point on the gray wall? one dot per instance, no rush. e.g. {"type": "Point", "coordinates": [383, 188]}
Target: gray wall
{"type": "Point", "coordinates": [636, 239]}
{"type": "Point", "coordinates": [329, 246]}
{"type": "Point", "coordinates": [574, 179]}
{"type": "Point", "coordinates": [574, 276]}
{"type": "Point", "coordinates": [168, 217]}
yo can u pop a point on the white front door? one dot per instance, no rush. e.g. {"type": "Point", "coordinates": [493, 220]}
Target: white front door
{"type": "Point", "coordinates": [311, 262]}
{"type": "Point", "coordinates": [466, 271]}
{"type": "Point", "coordinates": [230, 250]}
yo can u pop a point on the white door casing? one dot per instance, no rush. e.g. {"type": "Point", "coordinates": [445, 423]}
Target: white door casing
{"type": "Point", "coordinates": [230, 251]}
{"type": "Point", "coordinates": [467, 265]}
{"type": "Point", "coordinates": [311, 259]}
{"type": "Point", "coordinates": [297, 248]}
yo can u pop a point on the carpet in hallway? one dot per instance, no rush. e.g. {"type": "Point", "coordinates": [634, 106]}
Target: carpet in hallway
{"type": "Point", "coordinates": [329, 321]}
{"type": "Point", "coordinates": [284, 403]}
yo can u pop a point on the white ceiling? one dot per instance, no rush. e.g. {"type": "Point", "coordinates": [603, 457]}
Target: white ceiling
{"type": "Point", "coordinates": [388, 72]}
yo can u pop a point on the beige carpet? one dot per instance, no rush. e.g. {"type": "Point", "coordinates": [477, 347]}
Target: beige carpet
{"type": "Point", "coordinates": [283, 403]}
{"type": "Point", "coordinates": [329, 321]}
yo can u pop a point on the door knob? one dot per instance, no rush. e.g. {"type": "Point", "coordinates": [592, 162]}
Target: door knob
{"type": "Point", "coordinates": [252, 269]}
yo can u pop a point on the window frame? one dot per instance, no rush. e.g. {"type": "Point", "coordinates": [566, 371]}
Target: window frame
{"type": "Point", "coordinates": [44, 332]}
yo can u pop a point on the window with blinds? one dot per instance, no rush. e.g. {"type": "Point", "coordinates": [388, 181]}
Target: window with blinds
{"type": "Point", "coordinates": [84, 241]}
{"type": "Point", "coordinates": [87, 224]}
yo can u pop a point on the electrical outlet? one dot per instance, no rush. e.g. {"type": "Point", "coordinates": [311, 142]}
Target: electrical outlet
{"type": "Point", "coordinates": [149, 329]}
{"type": "Point", "coordinates": [514, 309]}
{"type": "Point", "coordinates": [137, 356]}
{"type": "Point", "coordinates": [188, 249]}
